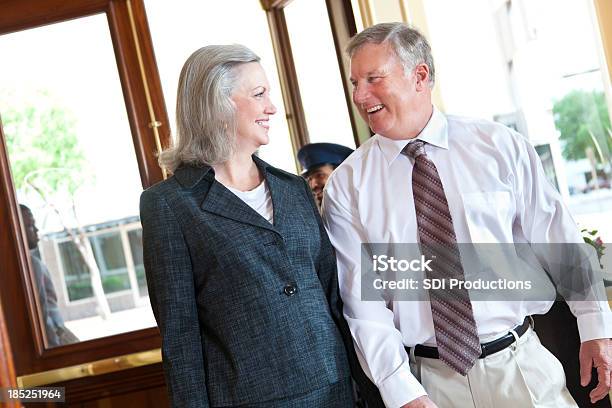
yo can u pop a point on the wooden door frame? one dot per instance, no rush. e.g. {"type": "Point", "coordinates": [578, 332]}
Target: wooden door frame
{"type": "Point", "coordinates": [148, 122]}
{"type": "Point", "coordinates": [343, 27]}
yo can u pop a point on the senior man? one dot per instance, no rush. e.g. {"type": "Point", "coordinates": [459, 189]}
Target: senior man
{"type": "Point", "coordinates": [428, 178]}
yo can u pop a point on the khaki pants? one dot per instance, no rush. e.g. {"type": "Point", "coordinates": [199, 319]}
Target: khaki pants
{"type": "Point", "coordinates": [520, 376]}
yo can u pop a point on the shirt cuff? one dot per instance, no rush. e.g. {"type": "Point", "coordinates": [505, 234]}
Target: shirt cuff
{"type": "Point", "coordinates": [593, 326]}
{"type": "Point", "coordinates": [400, 388]}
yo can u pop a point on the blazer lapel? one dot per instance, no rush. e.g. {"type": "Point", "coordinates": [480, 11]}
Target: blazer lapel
{"type": "Point", "coordinates": [281, 198]}
{"type": "Point", "coordinates": [223, 202]}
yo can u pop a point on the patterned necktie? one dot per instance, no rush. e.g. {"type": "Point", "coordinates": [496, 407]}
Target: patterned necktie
{"type": "Point", "coordinates": [451, 309]}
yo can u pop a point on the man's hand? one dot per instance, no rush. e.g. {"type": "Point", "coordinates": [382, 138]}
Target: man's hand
{"type": "Point", "coordinates": [421, 402]}
{"type": "Point", "coordinates": [596, 354]}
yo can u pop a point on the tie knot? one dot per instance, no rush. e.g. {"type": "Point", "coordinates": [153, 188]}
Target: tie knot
{"type": "Point", "coordinates": [414, 149]}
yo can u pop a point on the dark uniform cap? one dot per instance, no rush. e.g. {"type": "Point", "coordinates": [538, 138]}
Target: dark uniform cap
{"type": "Point", "coordinates": [317, 154]}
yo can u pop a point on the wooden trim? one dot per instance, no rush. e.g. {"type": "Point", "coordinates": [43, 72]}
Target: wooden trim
{"type": "Point", "coordinates": [343, 27]}
{"type": "Point", "coordinates": [274, 4]}
{"type": "Point", "coordinates": [19, 15]}
{"type": "Point", "coordinates": [90, 369]}
{"type": "Point", "coordinates": [7, 369]}
{"type": "Point", "coordinates": [14, 259]}
{"type": "Point", "coordinates": [25, 334]}
{"type": "Point", "coordinates": [365, 9]}
{"type": "Point", "coordinates": [114, 384]}
{"type": "Point", "coordinates": [135, 89]}
{"type": "Point", "coordinates": [292, 100]}
{"type": "Point", "coordinates": [603, 11]}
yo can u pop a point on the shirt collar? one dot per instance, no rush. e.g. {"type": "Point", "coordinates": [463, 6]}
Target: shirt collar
{"type": "Point", "coordinates": [434, 133]}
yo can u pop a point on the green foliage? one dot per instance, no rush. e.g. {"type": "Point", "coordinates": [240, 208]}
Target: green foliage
{"type": "Point", "coordinates": [591, 238]}
{"type": "Point", "coordinates": [42, 144]}
{"type": "Point", "coordinates": [80, 290]}
{"type": "Point", "coordinates": [579, 115]}
{"type": "Point", "coordinates": [115, 283]}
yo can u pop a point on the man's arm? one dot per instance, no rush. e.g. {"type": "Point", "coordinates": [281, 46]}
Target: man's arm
{"type": "Point", "coordinates": [378, 343]}
{"type": "Point", "coordinates": [545, 220]}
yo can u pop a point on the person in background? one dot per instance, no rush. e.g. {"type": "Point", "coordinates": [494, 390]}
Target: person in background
{"type": "Point", "coordinates": [241, 274]}
{"type": "Point", "coordinates": [318, 161]}
{"type": "Point", "coordinates": [56, 331]}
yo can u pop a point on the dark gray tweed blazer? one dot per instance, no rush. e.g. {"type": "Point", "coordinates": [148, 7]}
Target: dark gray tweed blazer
{"type": "Point", "coordinates": [247, 311]}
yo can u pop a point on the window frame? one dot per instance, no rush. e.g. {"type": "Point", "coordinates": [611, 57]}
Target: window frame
{"type": "Point", "coordinates": [343, 27]}
{"type": "Point", "coordinates": [148, 121]}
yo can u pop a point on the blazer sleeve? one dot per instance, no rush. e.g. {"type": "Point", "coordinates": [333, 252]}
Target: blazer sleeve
{"type": "Point", "coordinates": [172, 294]}
{"type": "Point", "coordinates": [328, 275]}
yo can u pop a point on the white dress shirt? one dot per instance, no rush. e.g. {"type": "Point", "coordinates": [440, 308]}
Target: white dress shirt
{"type": "Point", "coordinates": [496, 191]}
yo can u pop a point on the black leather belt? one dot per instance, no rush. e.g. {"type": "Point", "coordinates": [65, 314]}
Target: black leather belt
{"type": "Point", "coordinates": [488, 348]}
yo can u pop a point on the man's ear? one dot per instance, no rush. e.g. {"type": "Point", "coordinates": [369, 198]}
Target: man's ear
{"type": "Point", "coordinates": [422, 77]}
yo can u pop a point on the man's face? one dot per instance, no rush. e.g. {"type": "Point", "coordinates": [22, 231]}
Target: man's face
{"type": "Point", "coordinates": [30, 227]}
{"type": "Point", "coordinates": [391, 101]}
{"type": "Point", "coordinates": [316, 180]}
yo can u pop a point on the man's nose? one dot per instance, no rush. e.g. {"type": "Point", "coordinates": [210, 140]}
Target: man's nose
{"type": "Point", "coordinates": [359, 95]}
{"type": "Point", "coordinates": [312, 183]}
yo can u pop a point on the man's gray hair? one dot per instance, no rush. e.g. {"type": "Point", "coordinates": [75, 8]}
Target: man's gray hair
{"type": "Point", "coordinates": [205, 114]}
{"type": "Point", "coordinates": [409, 45]}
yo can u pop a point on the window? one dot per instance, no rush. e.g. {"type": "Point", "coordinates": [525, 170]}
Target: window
{"type": "Point", "coordinates": [76, 274]}
{"type": "Point", "coordinates": [327, 115]}
{"type": "Point", "coordinates": [110, 258]}
{"type": "Point", "coordinates": [179, 31]}
{"type": "Point", "coordinates": [135, 238]}
{"type": "Point", "coordinates": [526, 69]}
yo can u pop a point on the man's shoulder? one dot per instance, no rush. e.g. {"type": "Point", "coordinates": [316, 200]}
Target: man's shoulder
{"type": "Point", "coordinates": [491, 132]}
{"type": "Point", "coordinates": [355, 159]}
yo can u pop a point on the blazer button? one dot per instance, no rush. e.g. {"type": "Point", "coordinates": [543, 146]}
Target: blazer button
{"type": "Point", "coordinates": [290, 289]}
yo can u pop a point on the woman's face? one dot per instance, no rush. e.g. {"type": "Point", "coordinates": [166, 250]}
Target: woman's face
{"type": "Point", "coordinates": [251, 97]}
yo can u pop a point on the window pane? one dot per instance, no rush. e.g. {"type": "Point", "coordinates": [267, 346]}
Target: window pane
{"type": "Point", "coordinates": [73, 164]}
{"type": "Point", "coordinates": [179, 31]}
{"type": "Point", "coordinates": [318, 73]}
{"type": "Point", "coordinates": [110, 257]}
{"type": "Point", "coordinates": [517, 62]}
{"type": "Point", "coordinates": [76, 274]}
{"type": "Point", "coordinates": [135, 237]}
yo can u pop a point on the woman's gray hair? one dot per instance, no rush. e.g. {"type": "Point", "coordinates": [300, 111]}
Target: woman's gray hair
{"type": "Point", "coordinates": [409, 45]}
{"type": "Point", "coordinates": [205, 114]}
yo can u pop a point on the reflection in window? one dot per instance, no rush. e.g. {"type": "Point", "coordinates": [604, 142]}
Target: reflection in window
{"type": "Point", "coordinates": [135, 237]}
{"type": "Point", "coordinates": [76, 274]}
{"type": "Point", "coordinates": [73, 164]}
{"type": "Point", "coordinates": [111, 261]}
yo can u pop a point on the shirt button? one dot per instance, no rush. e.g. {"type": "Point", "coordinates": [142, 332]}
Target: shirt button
{"type": "Point", "coordinates": [290, 289]}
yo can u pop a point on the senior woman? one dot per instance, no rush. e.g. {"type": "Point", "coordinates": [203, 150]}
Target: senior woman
{"type": "Point", "coordinates": [241, 274]}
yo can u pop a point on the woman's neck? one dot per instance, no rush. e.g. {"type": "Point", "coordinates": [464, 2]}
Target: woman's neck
{"type": "Point", "coordinates": [239, 172]}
